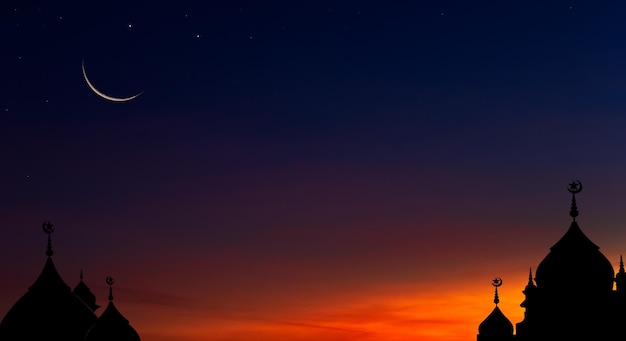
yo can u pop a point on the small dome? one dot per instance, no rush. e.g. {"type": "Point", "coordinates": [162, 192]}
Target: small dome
{"type": "Point", "coordinates": [575, 263]}
{"type": "Point", "coordinates": [84, 293]}
{"type": "Point", "coordinates": [496, 324]}
{"type": "Point", "coordinates": [112, 326]}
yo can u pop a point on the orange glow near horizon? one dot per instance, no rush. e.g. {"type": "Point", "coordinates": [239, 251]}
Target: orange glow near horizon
{"type": "Point", "coordinates": [443, 314]}
{"type": "Point", "coordinates": [398, 295]}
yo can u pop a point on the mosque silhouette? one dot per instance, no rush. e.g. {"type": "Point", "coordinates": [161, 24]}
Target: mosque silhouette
{"type": "Point", "coordinates": [571, 296]}
{"type": "Point", "coordinates": [50, 310]}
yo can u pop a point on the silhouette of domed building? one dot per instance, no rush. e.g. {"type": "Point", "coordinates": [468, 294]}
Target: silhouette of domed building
{"type": "Point", "coordinates": [571, 296]}
{"type": "Point", "coordinates": [111, 325]}
{"type": "Point", "coordinates": [496, 327]}
{"type": "Point", "coordinates": [51, 310]}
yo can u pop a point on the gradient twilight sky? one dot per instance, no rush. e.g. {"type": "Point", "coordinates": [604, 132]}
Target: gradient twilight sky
{"type": "Point", "coordinates": [308, 170]}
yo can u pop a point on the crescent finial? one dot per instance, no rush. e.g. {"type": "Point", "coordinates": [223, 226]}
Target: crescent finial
{"type": "Point", "coordinates": [110, 282]}
{"type": "Point", "coordinates": [496, 282]}
{"type": "Point", "coordinates": [48, 228]}
{"type": "Point", "coordinates": [574, 187]}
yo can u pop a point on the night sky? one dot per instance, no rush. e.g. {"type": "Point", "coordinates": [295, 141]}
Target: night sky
{"type": "Point", "coordinates": [307, 170]}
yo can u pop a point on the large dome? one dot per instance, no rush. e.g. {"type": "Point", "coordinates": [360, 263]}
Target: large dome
{"type": "Point", "coordinates": [575, 264]}
{"type": "Point", "coordinates": [49, 307]}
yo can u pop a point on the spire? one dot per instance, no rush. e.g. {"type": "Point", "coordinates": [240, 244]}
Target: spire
{"type": "Point", "coordinates": [529, 290]}
{"type": "Point", "coordinates": [496, 282]}
{"type": "Point", "coordinates": [81, 274]}
{"type": "Point", "coordinates": [620, 277]}
{"type": "Point", "coordinates": [110, 282]}
{"type": "Point", "coordinates": [530, 276]}
{"type": "Point", "coordinates": [574, 187]}
{"type": "Point", "coordinates": [496, 326]}
{"type": "Point", "coordinates": [48, 228]}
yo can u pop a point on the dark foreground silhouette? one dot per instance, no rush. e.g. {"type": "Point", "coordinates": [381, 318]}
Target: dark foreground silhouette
{"type": "Point", "coordinates": [50, 310]}
{"type": "Point", "coordinates": [571, 296]}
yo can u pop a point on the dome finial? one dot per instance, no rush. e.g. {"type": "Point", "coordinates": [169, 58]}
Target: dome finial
{"type": "Point", "coordinates": [574, 187]}
{"type": "Point", "coordinates": [530, 276]}
{"type": "Point", "coordinates": [48, 228]}
{"type": "Point", "coordinates": [110, 282]}
{"type": "Point", "coordinates": [496, 282]}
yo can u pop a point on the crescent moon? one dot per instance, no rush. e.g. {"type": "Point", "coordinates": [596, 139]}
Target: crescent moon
{"type": "Point", "coordinates": [496, 282]}
{"type": "Point", "coordinates": [99, 93]}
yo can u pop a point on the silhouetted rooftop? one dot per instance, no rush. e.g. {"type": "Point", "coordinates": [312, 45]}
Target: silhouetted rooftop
{"type": "Point", "coordinates": [48, 308]}
{"type": "Point", "coordinates": [84, 293]}
{"type": "Point", "coordinates": [575, 262]}
{"type": "Point", "coordinates": [112, 325]}
{"type": "Point", "coordinates": [496, 324]}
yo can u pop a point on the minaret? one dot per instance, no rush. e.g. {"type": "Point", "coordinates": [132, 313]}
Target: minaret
{"type": "Point", "coordinates": [496, 327]}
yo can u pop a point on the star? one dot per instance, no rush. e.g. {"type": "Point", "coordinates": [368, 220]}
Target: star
{"type": "Point", "coordinates": [575, 187]}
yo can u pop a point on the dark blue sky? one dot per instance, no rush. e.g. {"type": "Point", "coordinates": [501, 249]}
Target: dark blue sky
{"type": "Point", "coordinates": [474, 87]}
{"type": "Point", "coordinates": [277, 130]}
